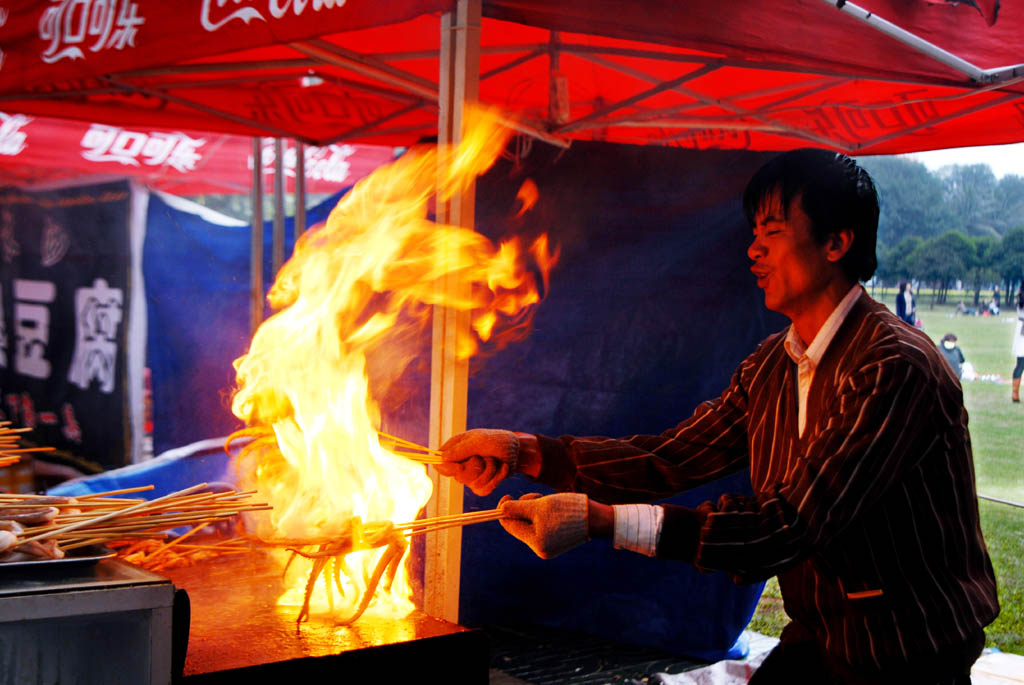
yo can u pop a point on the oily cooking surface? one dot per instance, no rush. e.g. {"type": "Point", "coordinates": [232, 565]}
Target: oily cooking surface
{"type": "Point", "coordinates": [235, 622]}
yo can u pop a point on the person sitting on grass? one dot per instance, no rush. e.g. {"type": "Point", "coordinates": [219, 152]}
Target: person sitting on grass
{"type": "Point", "coordinates": [953, 354]}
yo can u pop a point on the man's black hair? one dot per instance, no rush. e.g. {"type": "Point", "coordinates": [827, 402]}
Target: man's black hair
{"type": "Point", "coordinates": [835, 193]}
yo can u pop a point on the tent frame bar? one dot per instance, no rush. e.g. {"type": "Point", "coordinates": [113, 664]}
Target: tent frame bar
{"type": "Point", "coordinates": [368, 128]}
{"type": "Point", "coordinates": [417, 92]}
{"type": "Point", "coordinates": [332, 54]}
{"type": "Point", "coordinates": [790, 92]}
{"type": "Point", "coordinates": [725, 104]}
{"type": "Point", "coordinates": [580, 49]}
{"type": "Point", "coordinates": [938, 120]}
{"type": "Point", "coordinates": [633, 99]}
{"type": "Point", "coordinates": [371, 68]}
{"type": "Point", "coordinates": [919, 44]}
{"type": "Point", "coordinates": [167, 97]}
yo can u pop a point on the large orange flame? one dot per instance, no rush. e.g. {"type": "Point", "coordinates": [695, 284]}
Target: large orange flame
{"type": "Point", "coordinates": [352, 305]}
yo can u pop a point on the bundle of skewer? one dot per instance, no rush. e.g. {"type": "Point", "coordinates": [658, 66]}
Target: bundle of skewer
{"type": "Point", "coordinates": [162, 553]}
{"type": "Point", "coordinates": [409, 449]}
{"type": "Point", "coordinates": [72, 522]}
{"type": "Point", "coordinates": [263, 437]}
{"type": "Point", "coordinates": [360, 536]}
{"type": "Point", "coordinates": [10, 449]}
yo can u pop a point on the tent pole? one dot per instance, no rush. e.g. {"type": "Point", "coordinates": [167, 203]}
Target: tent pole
{"type": "Point", "coordinates": [277, 253]}
{"type": "Point", "coordinates": [558, 96]}
{"type": "Point", "coordinates": [256, 239]}
{"type": "Point", "coordinates": [449, 376]}
{"type": "Point", "coordinates": [911, 40]}
{"type": "Point", "coordinates": [300, 188]}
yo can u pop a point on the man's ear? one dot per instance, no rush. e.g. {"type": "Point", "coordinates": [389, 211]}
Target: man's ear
{"type": "Point", "coordinates": [838, 244]}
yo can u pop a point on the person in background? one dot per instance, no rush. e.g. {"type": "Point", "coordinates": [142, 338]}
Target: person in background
{"type": "Point", "coordinates": [1018, 347]}
{"type": "Point", "coordinates": [953, 354]}
{"type": "Point", "coordinates": [906, 308]}
{"type": "Point", "coordinates": [995, 298]}
{"type": "Point", "coordinates": [856, 438]}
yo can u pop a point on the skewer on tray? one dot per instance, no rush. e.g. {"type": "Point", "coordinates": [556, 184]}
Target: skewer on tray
{"type": "Point", "coordinates": [10, 440]}
{"type": "Point", "coordinates": [46, 526]}
{"type": "Point", "coordinates": [10, 451]}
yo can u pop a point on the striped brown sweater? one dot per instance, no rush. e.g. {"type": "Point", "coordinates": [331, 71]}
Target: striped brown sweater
{"type": "Point", "coordinates": [877, 495]}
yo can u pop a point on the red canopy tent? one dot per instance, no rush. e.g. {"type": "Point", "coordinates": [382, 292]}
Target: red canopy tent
{"type": "Point", "coordinates": [881, 77]}
{"type": "Point", "coordinates": [875, 77]}
{"type": "Point", "coordinates": [41, 150]}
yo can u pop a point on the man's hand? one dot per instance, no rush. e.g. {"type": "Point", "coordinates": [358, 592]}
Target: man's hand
{"type": "Point", "coordinates": [480, 458]}
{"type": "Point", "coordinates": [548, 525]}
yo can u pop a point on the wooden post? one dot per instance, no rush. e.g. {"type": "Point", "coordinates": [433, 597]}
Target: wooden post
{"type": "Point", "coordinates": [459, 80]}
{"type": "Point", "coordinates": [256, 239]}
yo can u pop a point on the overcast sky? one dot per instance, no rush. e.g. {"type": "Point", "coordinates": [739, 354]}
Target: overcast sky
{"type": "Point", "coordinates": [1004, 159]}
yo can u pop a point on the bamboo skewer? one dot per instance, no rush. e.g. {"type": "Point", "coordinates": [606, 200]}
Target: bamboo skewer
{"type": "Point", "coordinates": [121, 512]}
{"type": "Point", "coordinates": [418, 527]}
{"type": "Point", "coordinates": [467, 517]}
{"type": "Point", "coordinates": [122, 491]}
{"type": "Point", "coordinates": [409, 449]}
{"type": "Point", "coordinates": [160, 550]}
{"type": "Point", "coordinates": [407, 443]}
{"type": "Point", "coordinates": [10, 452]}
{"type": "Point", "coordinates": [70, 523]}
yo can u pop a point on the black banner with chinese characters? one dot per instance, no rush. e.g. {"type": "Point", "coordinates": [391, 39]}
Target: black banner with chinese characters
{"type": "Point", "coordinates": [64, 288]}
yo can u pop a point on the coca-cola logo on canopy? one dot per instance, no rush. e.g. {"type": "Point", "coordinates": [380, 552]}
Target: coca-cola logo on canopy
{"type": "Point", "coordinates": [217, 13]}
{"type": "Point", "coordinates": [70, 25]}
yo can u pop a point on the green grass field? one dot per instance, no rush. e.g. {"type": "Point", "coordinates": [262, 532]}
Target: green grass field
{"type": "Point", "coordinates": [997, 435]}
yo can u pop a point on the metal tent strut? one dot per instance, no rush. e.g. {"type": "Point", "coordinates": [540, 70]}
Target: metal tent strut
{"type": "Point", "coordinates": [977, 74]}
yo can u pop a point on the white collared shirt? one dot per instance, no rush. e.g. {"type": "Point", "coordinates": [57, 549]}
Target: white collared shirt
{"type": "Point", "coordinates": [807, 357]}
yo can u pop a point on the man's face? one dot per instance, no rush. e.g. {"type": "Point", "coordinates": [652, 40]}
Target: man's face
{"type": "Point", "coordinates": [790, 266]}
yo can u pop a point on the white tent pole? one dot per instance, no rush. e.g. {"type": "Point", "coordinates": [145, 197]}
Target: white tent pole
{"type": "Point", "coordinates": [300, 188]}
{"type": "Point", "coordinates": [256, 238]}
{"type": "Point", "coordinates": [911, 40]}
{"type": "Point", "coordinates": [278, 246]}
{"type": "Point", "coordinates": [449, 376]}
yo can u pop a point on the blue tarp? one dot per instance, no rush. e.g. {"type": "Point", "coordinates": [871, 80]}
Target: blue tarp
{"type": "Point", "coordinates": [197, 296]}
{"type": "Point", "coordinates": [650, 310]}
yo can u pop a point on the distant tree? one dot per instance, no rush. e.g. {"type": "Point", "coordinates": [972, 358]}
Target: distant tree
{"type": "Point", "coordinates": [911, 199]}
{"type": "Point", "coordinates": [888, 271]}
{"type": "Point", "coordinates": [897, 258]}
{"type": "Point", "coordinates": [971, 197]}
{"type": "Point", "coordinates": [1009, 203]}
{"type": "Point", "coordinates": [1010, 262]}
{"type": "Point", "coordinates": [941, 261]}
{"type": "Point", "coordinates": [982, 265]}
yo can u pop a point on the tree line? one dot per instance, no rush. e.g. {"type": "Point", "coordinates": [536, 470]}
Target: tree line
{"type": "Point", "coordinates": [957, 224]}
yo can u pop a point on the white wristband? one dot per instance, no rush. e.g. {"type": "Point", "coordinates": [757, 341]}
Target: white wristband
{"type": "Point", "coordinates": [637, 527]}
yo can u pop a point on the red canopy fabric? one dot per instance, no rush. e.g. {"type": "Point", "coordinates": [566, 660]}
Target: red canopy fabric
{"type": "Point", "coordinates": [760, 74]}
{"type": "Point", "coordinates": [39, 150]}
